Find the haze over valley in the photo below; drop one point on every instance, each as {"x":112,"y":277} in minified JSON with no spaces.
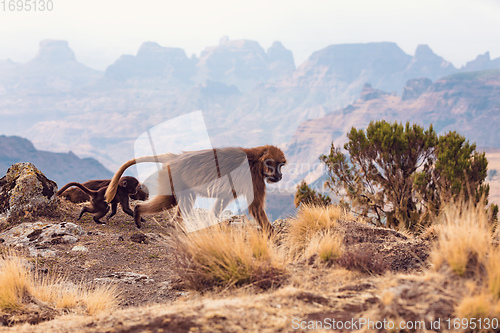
{"x":248,"y":95}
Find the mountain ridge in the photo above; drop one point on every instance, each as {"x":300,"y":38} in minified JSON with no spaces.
{"x":465,"y":102}
{"x":249,"y":96}
{"x":60,"y":167}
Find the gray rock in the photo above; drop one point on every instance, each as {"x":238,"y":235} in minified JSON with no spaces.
{"x":34,"y":252}
{"x":39,"y":236}
{"x":125,"y":277}
{"x":79,"y":248}
{"x":25,"y":192}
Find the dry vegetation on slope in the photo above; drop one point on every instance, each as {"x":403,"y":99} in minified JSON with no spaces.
{"x":323,"y":265}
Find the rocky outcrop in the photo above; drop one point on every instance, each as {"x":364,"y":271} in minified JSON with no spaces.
{"x":25,"y":193}
{"x":54,"y":69}
{"x":425,"y":63}
{"x":369,"y":93}
{"x":481,"y":63}
{"x":54,"y":52}
{"x":414,"y":88}
{"x":242,"y":63}
{"x":153,"y":60}
{"x":280,"y":60}
{"x":37,"y":238}
{"x":125,"y":277}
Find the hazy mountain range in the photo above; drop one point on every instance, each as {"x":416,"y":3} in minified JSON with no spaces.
{"x":60,"y":167}
{"x":466,"y":102}
{"x":248,"y":95}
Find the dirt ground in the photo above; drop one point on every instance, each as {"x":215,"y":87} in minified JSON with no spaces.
{"x":139,"y":264}
{"x":115,"y":250}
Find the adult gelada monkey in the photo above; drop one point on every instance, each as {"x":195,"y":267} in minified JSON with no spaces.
{"x":211,"y":173}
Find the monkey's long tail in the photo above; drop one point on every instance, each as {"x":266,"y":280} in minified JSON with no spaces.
{"x":82,"y":187}
{"x":113,"y":186}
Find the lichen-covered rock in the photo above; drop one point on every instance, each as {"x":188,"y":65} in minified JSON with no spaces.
{"x":25,"y":192}
{"x":125,"y":277}
{"x":39,"y":236}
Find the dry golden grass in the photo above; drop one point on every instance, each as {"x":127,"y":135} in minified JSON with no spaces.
{"x":216,"y":258}
{"x":386,"y":290}
{"x":15,"y":283}
{"x":464,"y":239}
{"x":327,"y":246}
{"x":18,"y":283}
{"x":100,"y":300}
{"x":464,"y":244}
{"x":493,"y":272}
{"x":226,"y":256}
{"x":477,"y":306}
{"x":310,"y":221}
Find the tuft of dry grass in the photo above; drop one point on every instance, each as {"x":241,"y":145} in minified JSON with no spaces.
{"x":477,"y":306}
{"x":226,"y":256}
{"x":102,"y":299}
{"x":15,"y":283}
{"x":19,"y":285}
{"x":463,"y":239}
{"x":310,"y":221}
{"x":464,"y":244}
{"x":493,"y":272}
{"x":327,"y":246}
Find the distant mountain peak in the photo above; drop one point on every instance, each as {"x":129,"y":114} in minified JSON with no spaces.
{"x":485,"y":56}
{"x":148,"y":46}
{"x":482,"y":62}
{"x":156,"y":52}
{"x":224,"y":40}
{"x":61,"y":167}
{"x":423,"y":51}
{"x":54,"y":52}
{"x":153,"y":60}
{"x":277,"y":45}
{"x":240,"y":62}
{"x":280,"y":59}
{"x":277,"y":52}
{"x":424,"y":54}
{"x":425,"y":63}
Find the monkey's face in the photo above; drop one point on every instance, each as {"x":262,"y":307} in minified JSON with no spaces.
{"x":130,"y":184}
{"x":272,"y":170}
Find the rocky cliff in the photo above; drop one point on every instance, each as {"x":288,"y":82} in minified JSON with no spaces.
{"x":466,"y":102}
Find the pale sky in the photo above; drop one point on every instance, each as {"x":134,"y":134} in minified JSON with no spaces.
{"x":99,"y":31}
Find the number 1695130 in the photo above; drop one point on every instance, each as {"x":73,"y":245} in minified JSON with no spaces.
{"x":26,"y":5}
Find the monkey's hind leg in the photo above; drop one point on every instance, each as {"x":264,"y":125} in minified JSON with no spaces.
{"x":114,"y":206}
{"x":154,"y":205}
{"x":99,"y":215}
{"x":84,"y":210}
